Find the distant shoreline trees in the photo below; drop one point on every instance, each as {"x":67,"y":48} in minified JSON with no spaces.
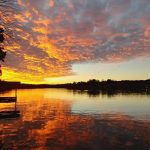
{"x":91,"y":86}
{"x":111,"y":85}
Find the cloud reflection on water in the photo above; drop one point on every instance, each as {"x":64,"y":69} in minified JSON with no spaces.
{"x":48,"y":123}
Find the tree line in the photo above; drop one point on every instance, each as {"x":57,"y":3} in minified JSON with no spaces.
{"x":92,"y":86}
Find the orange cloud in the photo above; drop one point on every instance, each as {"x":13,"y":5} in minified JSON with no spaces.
{"x":47,"y":37}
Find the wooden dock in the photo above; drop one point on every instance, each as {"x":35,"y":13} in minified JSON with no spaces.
{"x":8,"y":99}
{"x":12,"y":113}
{"x":9,"y":114}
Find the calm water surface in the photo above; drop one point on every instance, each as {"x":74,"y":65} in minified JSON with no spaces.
{"x":58,"y":119}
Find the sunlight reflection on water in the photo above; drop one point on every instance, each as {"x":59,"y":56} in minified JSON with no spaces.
{"x":59,"y":119}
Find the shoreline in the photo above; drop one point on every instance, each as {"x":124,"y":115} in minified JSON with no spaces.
{"x":92,"y":86}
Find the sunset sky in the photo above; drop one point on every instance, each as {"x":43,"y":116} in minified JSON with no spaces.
{"x":59,"y":41}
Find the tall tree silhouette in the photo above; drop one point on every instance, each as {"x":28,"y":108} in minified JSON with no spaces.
{"x":7,"y":8}
{"x":2,"y":52}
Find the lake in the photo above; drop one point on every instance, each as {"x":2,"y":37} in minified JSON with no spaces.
{"x":60,"y":119}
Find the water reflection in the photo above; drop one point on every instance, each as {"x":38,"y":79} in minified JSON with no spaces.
{"x":57,"y":120}
{"x":109,"y":93}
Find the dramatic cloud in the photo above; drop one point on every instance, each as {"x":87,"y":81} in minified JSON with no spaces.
{"x":50,"y":35}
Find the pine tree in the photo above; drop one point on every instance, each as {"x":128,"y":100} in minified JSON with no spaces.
{"x":2,"y":52}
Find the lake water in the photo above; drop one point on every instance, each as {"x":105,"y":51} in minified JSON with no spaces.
{"x":59,"y":119}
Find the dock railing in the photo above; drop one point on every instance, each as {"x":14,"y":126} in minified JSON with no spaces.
{"x":9,"y":114}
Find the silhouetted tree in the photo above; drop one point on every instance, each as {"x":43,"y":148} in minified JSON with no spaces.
{"x":8,"y":8}
{"x":2,"y":52}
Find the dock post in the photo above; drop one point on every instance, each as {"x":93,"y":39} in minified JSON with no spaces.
{"x":16,"y":99}
{"x":16,"y":94}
